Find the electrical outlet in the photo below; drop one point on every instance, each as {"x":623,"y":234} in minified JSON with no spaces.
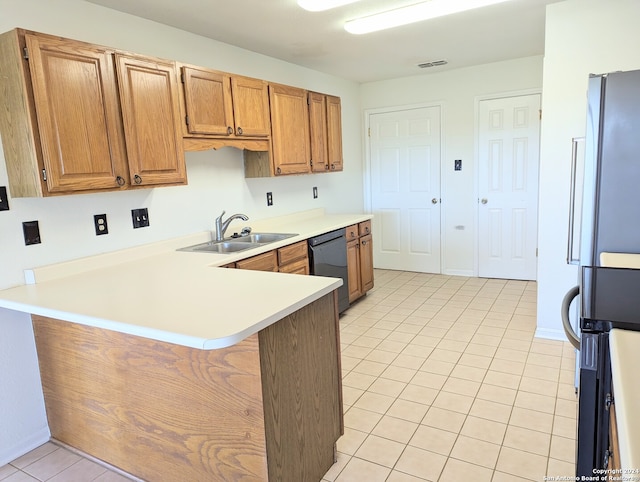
{"x":140,"y":218}
{"x":269,"y":199}
{"x":315,"y":192}
{"x":4,"y":199}
{"x":31,"y":232}
{"x":100,"y":223}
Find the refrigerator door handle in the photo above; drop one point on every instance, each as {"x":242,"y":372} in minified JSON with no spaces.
{"x":575,"y":199}
{"x":574,"y":339}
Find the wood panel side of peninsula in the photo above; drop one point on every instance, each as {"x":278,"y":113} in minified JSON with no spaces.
{"x":267,"y":408}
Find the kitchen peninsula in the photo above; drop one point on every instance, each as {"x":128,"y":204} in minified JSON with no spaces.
{"x":168,"y":367}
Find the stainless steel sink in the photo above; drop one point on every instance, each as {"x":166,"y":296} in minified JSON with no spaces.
{"x":220,"y":247}
{"x":261,"y":238}
{"x":241,"y":243}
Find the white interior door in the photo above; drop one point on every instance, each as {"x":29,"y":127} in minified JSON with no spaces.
{"x":405,"y":189}
{"x":509,"y":147}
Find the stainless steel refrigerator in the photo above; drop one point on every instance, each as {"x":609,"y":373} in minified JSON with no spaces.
{"x":607,"y":194}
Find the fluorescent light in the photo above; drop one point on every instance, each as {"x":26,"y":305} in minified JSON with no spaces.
{"x":413,"y":13}
{"x":320,"y":5}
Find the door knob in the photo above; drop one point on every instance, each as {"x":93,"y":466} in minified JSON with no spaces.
{"x":484,"y":200}
{"x":434,"y":201}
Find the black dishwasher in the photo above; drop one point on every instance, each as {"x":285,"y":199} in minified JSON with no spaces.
{"x":328,"y":257}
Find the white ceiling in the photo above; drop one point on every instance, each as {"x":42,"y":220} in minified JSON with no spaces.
{"x":281,"y":29}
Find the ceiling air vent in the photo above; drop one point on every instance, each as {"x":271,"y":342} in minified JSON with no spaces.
{"x":433,"y":63}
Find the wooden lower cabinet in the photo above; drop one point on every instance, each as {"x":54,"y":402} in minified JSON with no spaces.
{"x":288,"y":259}
{"x":267,"y":408}
{"x":262,"y":262}
{"x":294,"y":258}
{"x":353,"y":270}
{"x":614,"y":446}
{"x":359,"y":259}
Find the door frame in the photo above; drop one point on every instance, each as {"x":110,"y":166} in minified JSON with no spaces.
{"x":476,"y":161}
{"x":366,"y":174}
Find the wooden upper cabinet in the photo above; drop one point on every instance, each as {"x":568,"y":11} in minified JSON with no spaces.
{"x":318,"y":132}
{"x":250,"y":107}
{"x":291,"y":152}
{"x":325,"y":123}
{"x":79,"y":117}
{"x":207,"y":100}
{"x":76,"y":102}
{"x":219,"y":104}
{"x":151,"y":115}
{"x":334,"y":133}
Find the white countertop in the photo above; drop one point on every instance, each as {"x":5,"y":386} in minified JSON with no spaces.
{"x":625,"y":360}
{"x":179,"y":297}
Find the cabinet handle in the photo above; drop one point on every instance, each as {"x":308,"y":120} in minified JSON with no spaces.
{"x":278,"y":170}
{"x":363,"y":243}
{"x":137,"y":179}
{"x":367,"y":229}
{"x":326,"y":167}
{"x":120,"y":181}
{"x":229,"y":130}
{"x":239,"y":131}
{"x":333,"y":166}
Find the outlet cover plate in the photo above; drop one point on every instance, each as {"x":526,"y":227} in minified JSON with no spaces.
{"x":100,"y":223}
{"x":269,"y":199}
{"x":140,"y":218}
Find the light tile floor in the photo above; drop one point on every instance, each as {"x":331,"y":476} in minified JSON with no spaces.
{"x":443,"y":381}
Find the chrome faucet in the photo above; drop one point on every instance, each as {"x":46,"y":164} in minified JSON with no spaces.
{"x":221,"y":226}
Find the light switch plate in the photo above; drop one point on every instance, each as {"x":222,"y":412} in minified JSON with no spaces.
{"x":4,"y":199}
{"x":140,"y":218}
{"x":31,"y":232}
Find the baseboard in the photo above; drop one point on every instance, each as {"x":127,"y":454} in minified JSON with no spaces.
{"x":458,"y":272}
{"x":551,"y":334}
{"x":8,"y":454}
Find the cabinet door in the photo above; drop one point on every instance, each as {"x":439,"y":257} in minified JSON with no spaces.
{"x":289,"y":130}
{"x":353,"y":270}
{"x":151,"y":114}
{"x":366,"y":263}
{"x":207,"y":99}
{"x":297,"y":267}
{"x":261,"y":262}
{"x":334,"y":133}
{"x":76,"y":102}
{"x":318,"y":132}
{"x":250,"y":107}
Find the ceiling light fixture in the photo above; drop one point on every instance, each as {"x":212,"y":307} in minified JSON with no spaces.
{"x":320,"y":5}
{"x":413,"y":13}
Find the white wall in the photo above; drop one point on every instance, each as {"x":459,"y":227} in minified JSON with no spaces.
{"x":216,"y":182}
{"x":582,"y":37}
{"x":459,"y":91}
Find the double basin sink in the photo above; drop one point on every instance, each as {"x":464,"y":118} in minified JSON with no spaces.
{"x":240,"y":243}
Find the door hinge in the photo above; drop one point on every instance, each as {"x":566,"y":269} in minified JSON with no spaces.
{"x":44,"y":174}
{"x":25,"y":53}
{"x":369,"y":132}
{"x":182,"y":77}
{"x":536,"y":252}
{"x":540,"y":114}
